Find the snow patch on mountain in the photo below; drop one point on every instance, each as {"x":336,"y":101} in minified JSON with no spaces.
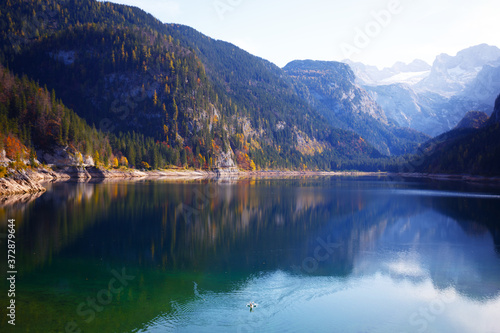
{"x":399,"y":73}
{"x":409,"y":78}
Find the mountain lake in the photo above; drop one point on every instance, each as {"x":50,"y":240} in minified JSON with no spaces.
{"x":314,"y":254}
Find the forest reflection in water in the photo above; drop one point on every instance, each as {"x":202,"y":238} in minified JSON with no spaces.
{"x":220,"y":234}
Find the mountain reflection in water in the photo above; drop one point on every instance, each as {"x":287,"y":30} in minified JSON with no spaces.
{"x":222,"y":236}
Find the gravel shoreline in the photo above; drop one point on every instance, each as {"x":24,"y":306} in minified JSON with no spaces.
{"x":31,"y":181}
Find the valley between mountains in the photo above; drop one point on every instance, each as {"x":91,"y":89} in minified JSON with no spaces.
{"x":88,"y":84}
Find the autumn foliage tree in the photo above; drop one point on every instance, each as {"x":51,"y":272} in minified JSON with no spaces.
{"x":244,"y":162}
{"x":124,"y":161}
{"x":14,"y":149}
{"x":115,"y":163}
{"x":31,"y":117}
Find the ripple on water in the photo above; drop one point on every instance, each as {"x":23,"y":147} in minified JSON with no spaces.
{"x":279,"y":296}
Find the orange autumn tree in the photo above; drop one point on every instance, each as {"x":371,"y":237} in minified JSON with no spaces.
{"x":32,"y":116}
{"x":244,"y":162}
{"x":14,"y":149}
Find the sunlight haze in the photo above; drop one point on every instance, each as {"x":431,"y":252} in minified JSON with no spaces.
{"x":323,"y":30}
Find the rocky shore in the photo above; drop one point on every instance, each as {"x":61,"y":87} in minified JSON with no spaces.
{"x":28,"y":181}
{"x":31,"y":181}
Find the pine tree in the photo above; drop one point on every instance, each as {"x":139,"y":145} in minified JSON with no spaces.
{"x":174,"y":118}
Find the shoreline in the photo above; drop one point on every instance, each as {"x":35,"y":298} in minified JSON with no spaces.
{"x":488,"y":180}
{"x":31,"y":181}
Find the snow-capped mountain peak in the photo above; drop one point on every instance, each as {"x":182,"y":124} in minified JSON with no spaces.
{"x":450,"y":75}
{"x":434,"y":99}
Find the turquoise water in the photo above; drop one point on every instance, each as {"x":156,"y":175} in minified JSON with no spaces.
{"x":316,"y":254}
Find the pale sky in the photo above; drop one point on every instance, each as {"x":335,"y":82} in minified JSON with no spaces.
{"x":375,"y":32}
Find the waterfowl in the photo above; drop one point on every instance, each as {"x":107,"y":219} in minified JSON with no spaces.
{"x":252,"y":305}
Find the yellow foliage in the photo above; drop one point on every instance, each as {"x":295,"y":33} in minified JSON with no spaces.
{"x":124,"y":161}
{"x":244,"y":162}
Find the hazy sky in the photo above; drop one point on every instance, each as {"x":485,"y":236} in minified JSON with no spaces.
{"x":376,"y":32}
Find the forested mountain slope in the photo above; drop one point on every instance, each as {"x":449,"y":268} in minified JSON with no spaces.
{"x":465,"y":150}
{"x":203,"y":102}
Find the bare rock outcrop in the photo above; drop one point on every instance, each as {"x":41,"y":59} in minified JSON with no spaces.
{"x":18,"y":183}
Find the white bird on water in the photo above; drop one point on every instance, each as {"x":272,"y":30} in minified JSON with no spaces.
{"x":252,"y":305}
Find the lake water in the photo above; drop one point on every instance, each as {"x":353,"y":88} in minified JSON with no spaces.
{"x":317,"y":255}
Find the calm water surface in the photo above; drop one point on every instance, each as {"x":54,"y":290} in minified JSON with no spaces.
{"x":317,"y":255}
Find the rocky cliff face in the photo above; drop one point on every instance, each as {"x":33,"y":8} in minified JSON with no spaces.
{"x":225,"y":161}
{"x":331,"y":88}
{"x":64,"y":157}
{"x":334,"y":82}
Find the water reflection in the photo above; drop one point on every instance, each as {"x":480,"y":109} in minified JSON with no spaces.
{"x":305,"y":240}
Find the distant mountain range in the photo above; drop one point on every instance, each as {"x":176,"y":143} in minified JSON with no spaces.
{"x":331,"y":88}
{"x":434,"y":99}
